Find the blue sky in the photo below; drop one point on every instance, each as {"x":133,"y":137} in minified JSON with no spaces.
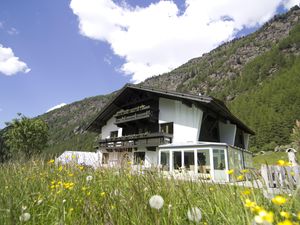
{"x":73,"y":50}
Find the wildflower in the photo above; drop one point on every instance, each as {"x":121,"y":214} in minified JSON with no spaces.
{"x":240,"y":177}
{"x":156,"y":202}
{"x":88,"y":193}
{"x":283,"y":163}
{"x":51,"y":161}
{"x":83,"y":188}
{"x":70,"y":174}
{"x":71,"y":209}
{"x":264,"y":217}
{"x":112,"y":206}
{"x":249,"y":203}
{"x":102,"y":194}
{"x":246,"y":192}
{"x":230,"y":172}
{"x":60,"y":168}
{"x":24,"y":207}
{"x":268,"y":194}
{"x":279,"y":200}
{"x":298,"y":215}
{"x":285,"y":222}
{"x":63,"y":201}
{"x":285,"y":214}
{"x":194,"y":214}
{"x":81,"y":167}
{"x":211,"y":189}
{"x":89,"y":178}
{"x":245,"y":171}
{"x":24,"y":217}
{"x":280,"y":162}
{"x":39,"y":201}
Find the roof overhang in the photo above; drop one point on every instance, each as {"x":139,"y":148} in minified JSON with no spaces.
{"x":204,"y":102}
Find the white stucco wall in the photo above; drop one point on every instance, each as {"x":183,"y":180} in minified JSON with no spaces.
{"x":227,"y":133}
{"x":151,"y":158}
{"x":187,"y":120}
{"x":110,"y":126}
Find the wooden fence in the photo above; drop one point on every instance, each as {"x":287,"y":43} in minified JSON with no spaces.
{"x":281,"y":177}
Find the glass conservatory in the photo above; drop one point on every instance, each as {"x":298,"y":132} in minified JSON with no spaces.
{"x":205,"y":160}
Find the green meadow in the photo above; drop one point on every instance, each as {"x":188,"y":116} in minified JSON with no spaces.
{"x":39,"y":192}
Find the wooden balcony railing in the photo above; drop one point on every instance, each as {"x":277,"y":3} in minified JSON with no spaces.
{"x":137,"y":113}
{"x":136,"y":140}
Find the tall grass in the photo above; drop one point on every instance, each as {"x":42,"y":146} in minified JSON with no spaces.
{"x":54,"y":194}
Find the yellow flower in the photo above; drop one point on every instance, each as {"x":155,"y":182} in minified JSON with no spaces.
{"x":70,"y":174}
{"x":102,"y":194}
{"x":246,"y":192}
{"x":285,"y":222}
{"x":292,"y":173}
{"x":280,"y":162}
{"x":211,"y":189}
{"x":113,"y":207}
{"x":285,"y":214}
{"x":279,"y":200}
{"x":60,"y":168}
{"x":88,"y":193}
{"x":245,"y":171}
{"x":84,"y":188}
{"x":264,"y":216}
{"x":230,"y":172}
{"x":298,"y":215}
{"x":51,"y":161}
{"x":249,"y":203}
{"x":240,"y":177}
{"x":71,"y":209}
{"x":81,"y":167}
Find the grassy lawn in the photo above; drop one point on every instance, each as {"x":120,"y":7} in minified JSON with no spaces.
{"x":38,"y":192}
{"x":271,"y":158}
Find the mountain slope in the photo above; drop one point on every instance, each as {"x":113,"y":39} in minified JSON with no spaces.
{"x":257,"y":76}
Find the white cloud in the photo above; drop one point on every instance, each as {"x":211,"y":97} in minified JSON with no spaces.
{"x":10,"y":64}
{"x":290,"y":3}
{"x":13,"y":31}
{"x":56,"y":107}
{"x":158,"y":38}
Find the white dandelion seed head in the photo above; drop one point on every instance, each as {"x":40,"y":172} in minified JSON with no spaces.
{"x":24,"y":217}
{"x":39,"y":201}
{"x":89,"y":178}
{"x":268,"y":194}
{"x":156,"y":202}
{"x":194,"y":214}
{"x":24,"y":207}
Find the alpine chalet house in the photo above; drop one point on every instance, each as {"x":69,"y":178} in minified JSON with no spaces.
{"x":176,"y":132}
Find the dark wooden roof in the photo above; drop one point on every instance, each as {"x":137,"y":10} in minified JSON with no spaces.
{"x":202,"y":101}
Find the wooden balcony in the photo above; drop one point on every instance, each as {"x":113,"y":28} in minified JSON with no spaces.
{"x":136,"y":140}
{"x":137,"y":113}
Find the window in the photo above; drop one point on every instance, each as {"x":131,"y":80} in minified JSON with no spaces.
{"x":166,"y":128}
{"x":114,"y":134}
{"x":139,"y":158}
{"x":105,"y":157}
{"x":239,"y":139}
{"x":219,"y":159}
{"x":164,"y":160}
{"x":209,"y":129}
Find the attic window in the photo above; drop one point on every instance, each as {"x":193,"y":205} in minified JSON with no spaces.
{"x":166,"y":128}
{"x":114,"y":134}
{"x":209,"y":129}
